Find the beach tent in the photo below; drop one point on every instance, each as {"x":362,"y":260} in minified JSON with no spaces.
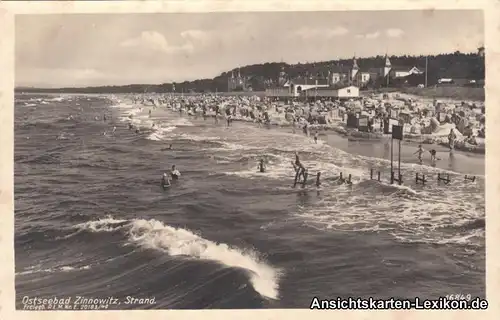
{"x":434,"y":125}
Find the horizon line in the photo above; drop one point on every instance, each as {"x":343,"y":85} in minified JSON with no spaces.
{"x":243,"y":66}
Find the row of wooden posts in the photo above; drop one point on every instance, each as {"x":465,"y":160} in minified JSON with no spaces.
{"x":341,"y":179}
{"x":420,"y":178}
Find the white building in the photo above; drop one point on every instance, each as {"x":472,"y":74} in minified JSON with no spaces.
{"x":333,"y":92}
{"x":401,"y":72}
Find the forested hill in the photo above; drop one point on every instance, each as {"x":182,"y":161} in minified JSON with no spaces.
{"x":454,"y":65}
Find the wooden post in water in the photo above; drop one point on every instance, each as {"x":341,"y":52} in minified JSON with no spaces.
{"x":392,"y":157}
{"x":318,"y":179}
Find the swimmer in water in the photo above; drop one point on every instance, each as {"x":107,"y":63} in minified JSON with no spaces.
{"x":262,"y":166}
{"x":175,"y":173}
{"x":168,"y":148}
{"x":165,"y":181}
{"x":420,"y":152}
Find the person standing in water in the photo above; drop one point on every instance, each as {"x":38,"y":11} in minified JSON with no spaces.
{"x":298,"y":165}
{"x":305,"y":130}
{"x":165,"y":181}
{"x":433,"y":155}
{"x":175,"y":173}
{"x":261,"y":167}
{"x":419,"y":152}
{"x":316,"y":137}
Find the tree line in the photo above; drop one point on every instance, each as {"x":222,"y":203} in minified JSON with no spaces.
{"x":455,"y":65}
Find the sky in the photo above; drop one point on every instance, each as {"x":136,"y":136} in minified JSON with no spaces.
{"x":74,"y":50}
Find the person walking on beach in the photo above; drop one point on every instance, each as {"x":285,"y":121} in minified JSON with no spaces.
{"x":451,"y":139}
{"x":420,"y":152}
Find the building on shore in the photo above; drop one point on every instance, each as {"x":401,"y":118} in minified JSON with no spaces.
{"x":340,"y":79}
{"x":237,"y":83}
{"x":337,"y":92}
{"x":360,"y":77}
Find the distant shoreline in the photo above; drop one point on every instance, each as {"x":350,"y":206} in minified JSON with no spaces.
{"x":445,"y":92}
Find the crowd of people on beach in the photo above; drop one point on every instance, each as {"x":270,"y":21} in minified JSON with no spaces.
{"x":426,"y":120}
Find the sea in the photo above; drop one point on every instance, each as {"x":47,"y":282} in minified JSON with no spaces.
{"x":92,"y":220}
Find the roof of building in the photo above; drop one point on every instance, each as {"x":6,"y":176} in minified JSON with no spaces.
{"x":403,"y":68}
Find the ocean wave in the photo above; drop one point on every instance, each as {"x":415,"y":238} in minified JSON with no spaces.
{"x":159,"y":134}
{"x":407,"y":214}
{"x":53,"y":270}
{"x":154,"y":234}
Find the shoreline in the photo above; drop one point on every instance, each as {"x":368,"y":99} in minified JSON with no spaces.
{"x":461,"y":162}
{"x":424,"y":139}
